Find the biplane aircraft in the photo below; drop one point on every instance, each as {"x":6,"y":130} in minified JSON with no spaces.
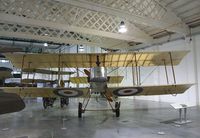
{"x":47,"y":101}
{"x":96,"y":76}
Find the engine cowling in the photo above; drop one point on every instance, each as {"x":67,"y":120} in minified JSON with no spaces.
{"x":68,"y":92}
{"x":98,"y":74}
{"x":130,"y":91}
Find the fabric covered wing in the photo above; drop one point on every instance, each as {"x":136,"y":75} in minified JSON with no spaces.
{"x":38,"y":81}
{"x":115,"y":79}
{"x":78,"y":80}
{"x":34,"y":92}
{"x":150,"y":90}
{"x":45,"y":71}
{"x":88,"y":60}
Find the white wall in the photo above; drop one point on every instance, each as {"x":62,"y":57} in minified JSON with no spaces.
{"x":186,"y":72}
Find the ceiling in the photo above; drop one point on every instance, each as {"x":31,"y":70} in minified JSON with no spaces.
{"x":96,"y":22}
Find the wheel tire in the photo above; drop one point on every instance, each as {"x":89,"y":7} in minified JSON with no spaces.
{"x":117,"y":105}
{"x":67,"y":101}
{"x":80,"y":110}
{"x":117,"y":111}
{"x":61,"y":105}
{"x":44,"y":104}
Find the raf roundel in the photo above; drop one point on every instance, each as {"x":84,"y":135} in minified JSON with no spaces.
{"x":127,"y":91}
{"x":68,"y":92}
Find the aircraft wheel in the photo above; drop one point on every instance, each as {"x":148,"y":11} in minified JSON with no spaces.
{"x":61,"y":102}
{"x":117,"y":109}
{"x":117,"y":105}
{"x":45,"y":103}
{"x":80,"y":110}
{"x":67,"y":101}
{"x":61,"y":105}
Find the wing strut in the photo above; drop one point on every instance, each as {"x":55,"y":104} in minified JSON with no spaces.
{"x":166,"y":71}
{"x":59,"y":69}
{"x":172,"y":65}
{"x":22,"y":67}
{"x":136,"y":67}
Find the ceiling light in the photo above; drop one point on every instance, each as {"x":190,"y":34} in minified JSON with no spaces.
{"x":122,"y":27}
{"x":45,"y":44}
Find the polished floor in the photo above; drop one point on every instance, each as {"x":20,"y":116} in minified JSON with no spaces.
{"x":138,"y":119}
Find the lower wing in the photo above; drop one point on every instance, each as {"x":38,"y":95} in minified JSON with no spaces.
{"x":117,"y":91}
{"x":150,"y":90}
{"x":34,"y":92}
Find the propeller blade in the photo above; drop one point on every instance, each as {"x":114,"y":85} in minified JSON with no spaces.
{"x":87,"y":72}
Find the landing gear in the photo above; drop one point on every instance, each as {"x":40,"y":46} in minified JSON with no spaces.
{"x":48,"y":102}
{"x":44,"y":103}
{"x":80,"y":111}
{"x":64,"y":101}
{"x":82,"y":106}
{"x":117,"y":109}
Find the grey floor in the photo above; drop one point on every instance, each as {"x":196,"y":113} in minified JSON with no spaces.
{"x":139,"y":119}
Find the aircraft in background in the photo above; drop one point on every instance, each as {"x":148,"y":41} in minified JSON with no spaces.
{"x":97,"y":75}
{"x":47,"y":101}
{"x":9,"y":102}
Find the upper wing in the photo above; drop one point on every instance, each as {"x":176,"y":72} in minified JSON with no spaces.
{"x":44,"y":71}
{"x":34,"y":92}
{"x":38,"y":81}
{"x":150,"y":90}
{"x":88,"y":60}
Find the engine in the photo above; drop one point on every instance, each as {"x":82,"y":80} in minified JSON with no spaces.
{"x":98,"y":74}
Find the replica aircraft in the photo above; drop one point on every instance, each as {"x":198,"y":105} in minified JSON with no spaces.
{"x":97,"y":75}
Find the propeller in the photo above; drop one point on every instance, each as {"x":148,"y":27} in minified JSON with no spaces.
{"x":87,"y":72}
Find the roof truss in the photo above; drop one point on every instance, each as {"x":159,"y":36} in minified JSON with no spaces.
{"x":147,"y":12}
{"x":67,"y":17}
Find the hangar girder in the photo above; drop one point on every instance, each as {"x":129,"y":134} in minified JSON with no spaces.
{"x":56,"y":35}
{"x":66,"y":17}
{"x":147,"y":12}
